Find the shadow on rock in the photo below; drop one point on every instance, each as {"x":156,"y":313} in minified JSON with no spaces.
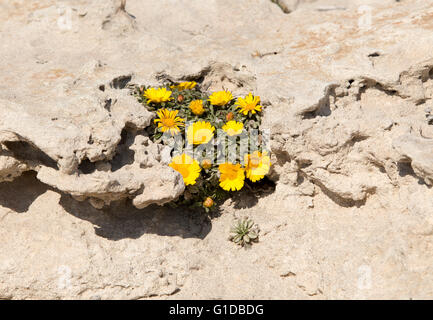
{"x":19,"y":194}
{"x":122,"y":220}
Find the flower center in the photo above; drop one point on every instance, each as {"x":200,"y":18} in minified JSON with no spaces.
{"x":196,"y":108}
{"x":184,"y":171}
{"x":232,"y":173}
{"x":254,"y":162}
{"x":201,"y":136}
{"x":169,"y":122}
{"x":250,"y":106}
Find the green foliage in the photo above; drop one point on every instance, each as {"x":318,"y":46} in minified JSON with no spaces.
{"x":244,"y":232}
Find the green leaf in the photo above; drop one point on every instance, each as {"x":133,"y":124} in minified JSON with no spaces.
{"x":253,"y":235}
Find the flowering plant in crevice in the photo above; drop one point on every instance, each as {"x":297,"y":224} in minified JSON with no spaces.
{"x":216,"y":143}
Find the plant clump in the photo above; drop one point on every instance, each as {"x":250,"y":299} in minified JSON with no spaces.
{"x":244,"y":232}
{"x":215,"y":139}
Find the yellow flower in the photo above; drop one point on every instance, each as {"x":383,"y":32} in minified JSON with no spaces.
{"x":196,"y":107}
{"x":184,"y":85}
{"x":233,"y":128}
{"x":257,"y":165}
{"x":187,"y":167}
{"x":157,"y":95}
{"x":200,"y":132}
{"x":168,"y":121}
{"x":220,"y":98}
{"x":232,"y":176}
{"x":250,"y":103}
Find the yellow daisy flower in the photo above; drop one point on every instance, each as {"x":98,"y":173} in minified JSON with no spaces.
{"x":257,"y":165}
{"x":168,"y":121}
{"x":248,"y":104}
{"x":157,"y":95}
{"x":200,"y":132}
{"x":220,"y":98}
{"x":232,"y":176}
{"x":196,"y":107}
{"x":233,"y":128}
{"x":184,"y":85}
{"x":187,"y":167}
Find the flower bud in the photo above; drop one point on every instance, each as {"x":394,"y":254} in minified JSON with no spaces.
{"x":229,"y":116}
{"x":208,"y":202}
{"x":206,"y":164}
{"x":180,"y":98}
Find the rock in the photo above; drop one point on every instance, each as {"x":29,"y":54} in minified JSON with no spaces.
{"x":143,"y":181}
{"x":10,"y":167}
{"x":350,"y":216}
{"x":57,"y":143}
{"x":419,"y":152}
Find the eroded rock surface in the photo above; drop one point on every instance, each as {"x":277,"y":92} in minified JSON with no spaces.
{"x":345,"y":85}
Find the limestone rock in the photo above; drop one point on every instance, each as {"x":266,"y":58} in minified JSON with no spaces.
{"x":350,"y":216}
{"x":419,"y":152}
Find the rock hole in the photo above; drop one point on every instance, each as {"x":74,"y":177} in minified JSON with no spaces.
{"x":86,"y":166}
{"x":120,"y":82}
{"x":349,"y":83}
{"x":107,"y":105}
{"x":405,"y":169}
{"x":374,"y":55}
{"x":123,"y":155}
